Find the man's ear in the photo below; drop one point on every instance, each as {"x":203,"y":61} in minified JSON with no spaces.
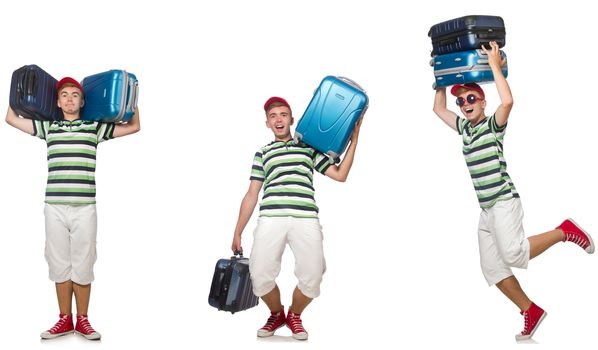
{"x":483,"y":104}
{"x":82,"y":103}
{"x":292,"y":120}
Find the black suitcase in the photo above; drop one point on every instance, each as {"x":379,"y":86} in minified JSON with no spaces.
{"x":467,"y":33}
{"x":231,"y":288}
{"x":33,"y":94}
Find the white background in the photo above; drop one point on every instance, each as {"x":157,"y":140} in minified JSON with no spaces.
{"x":400,"y":235}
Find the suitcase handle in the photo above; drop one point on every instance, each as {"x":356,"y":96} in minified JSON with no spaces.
{"x":31,"y":82}
{"x":20,"y":86}
{"x":351,"y":82}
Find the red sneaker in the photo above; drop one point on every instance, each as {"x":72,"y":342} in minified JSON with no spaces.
{"x":296,"y":326}
{"x":64,"y":326}
{"x":574,"y":233}
{"x":84,"y":328}
{"x":533,"y":317}
{"x":275,"y":321}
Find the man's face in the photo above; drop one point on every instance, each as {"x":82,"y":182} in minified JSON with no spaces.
{"x":473,"y":105}
{"x":279,"y":120}
{"x":69,"y":100}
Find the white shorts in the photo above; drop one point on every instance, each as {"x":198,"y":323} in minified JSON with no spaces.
{"x":502,"y":240}
{"x":71,"y":242}
{"x":270,"y":238}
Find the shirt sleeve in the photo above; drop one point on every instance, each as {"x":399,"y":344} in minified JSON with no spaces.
{"x":460,"y":123}
{"x":40,"y":128}
{"x":105,"y":131}
{"x":494,"y":127}
{"x":321,"y":162}
{"x":257,"y":169}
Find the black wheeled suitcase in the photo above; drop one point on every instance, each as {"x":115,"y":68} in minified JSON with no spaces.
{"x":33,"y":94}
{"x":231,"y":288}
{"x":467,"y":33}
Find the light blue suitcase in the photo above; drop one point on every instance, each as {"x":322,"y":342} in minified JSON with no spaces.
{"x":330,"y":117}
{"x":463,"y":67}
{"x":110,"y":96}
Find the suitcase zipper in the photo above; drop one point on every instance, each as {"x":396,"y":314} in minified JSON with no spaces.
{"x":465,"y":69}
{"x":477,"y":31}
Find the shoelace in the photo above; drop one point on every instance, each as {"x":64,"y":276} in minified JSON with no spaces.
{"x":526,"y":324}
{"x":82,"y":320}
{"x":577,"y":239}
{"x":59,"y":324}
{"x":270,"y":323}
{"x":296,"y":324}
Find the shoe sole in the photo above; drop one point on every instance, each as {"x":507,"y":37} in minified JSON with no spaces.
{"x":519,"y":337}
{"x":590,"y":248}
{"x":97,"y":336}
{"x":298,"y":336}
{"x":267,"y":334}
{"x":54,"y":336}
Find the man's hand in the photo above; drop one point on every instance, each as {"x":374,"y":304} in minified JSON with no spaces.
{"x":494,"y":57}
{"x":355,"y":134}
{"x":236,"y":246}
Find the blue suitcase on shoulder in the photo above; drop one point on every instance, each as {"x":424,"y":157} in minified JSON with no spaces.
{"x":33,"y":94}
{"x":330,"y":117}
{"x":110,"y":96}
{"x":467,"y":33}
{"x":463,"y":67}
{"x":231,"y":288}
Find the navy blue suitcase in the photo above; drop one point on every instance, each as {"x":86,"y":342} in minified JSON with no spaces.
{"x":330,"y":117}
{"x":467,"y":33}
{"x":33,"y":94}
{"x":463,"y":67}
{"x":110,"y":96}
{"x":231,"y":288}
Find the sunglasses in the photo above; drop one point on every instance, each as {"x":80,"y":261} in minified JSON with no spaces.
{"x":471,"y":98}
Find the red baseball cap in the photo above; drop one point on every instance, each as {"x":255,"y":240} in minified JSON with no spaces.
{"x":467,"y":86}
{"x":274,"y":99}
{"x":68,"y":80}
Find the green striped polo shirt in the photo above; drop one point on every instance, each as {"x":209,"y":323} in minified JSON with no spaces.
{"x":72,"y":158}
{"x":483,"y":151}
{"x":287,"y":169}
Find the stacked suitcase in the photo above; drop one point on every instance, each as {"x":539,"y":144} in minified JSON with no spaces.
{"x":330,"y":117}
{"x":231,"y":288}
{"x":109,"y":96}
{"x":457,"y":57}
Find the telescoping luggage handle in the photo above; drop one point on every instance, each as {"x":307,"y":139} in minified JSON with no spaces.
{"x":128,"y":96}
{"x":132,"y":95}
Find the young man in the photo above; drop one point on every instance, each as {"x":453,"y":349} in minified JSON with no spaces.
{"x":501,"y":238}
{"x":70,"y":212}
{"x":288,"y":214}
